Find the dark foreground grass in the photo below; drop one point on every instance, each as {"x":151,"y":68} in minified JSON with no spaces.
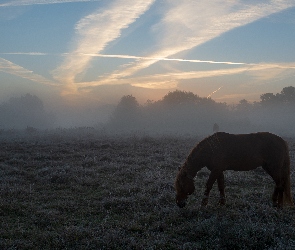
{"x":61,"y":191}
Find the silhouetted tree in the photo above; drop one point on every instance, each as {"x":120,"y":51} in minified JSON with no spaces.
{"x":28,"y":110}
{"x":183,"y":111}
{"x":268,"y":98}
{"x":243,"y":106}
{"x":126,"y":113}
{"x":287,"y":95}
{"x":179,"y":97}
{"x":128,"y":103}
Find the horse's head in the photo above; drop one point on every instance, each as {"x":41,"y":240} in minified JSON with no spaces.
{"x":184,"y":186}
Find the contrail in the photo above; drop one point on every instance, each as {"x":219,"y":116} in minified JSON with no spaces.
{"x":37,"y":2}
{"x":129,"y":57}
{"x":26,"y":53}
{"x":165,"y":59}
{"x":214,"y":92}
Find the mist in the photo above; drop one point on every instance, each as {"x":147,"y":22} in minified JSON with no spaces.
{"x":177,"y":113}
{"x":19,"y":113}
{"x":185,"y":113}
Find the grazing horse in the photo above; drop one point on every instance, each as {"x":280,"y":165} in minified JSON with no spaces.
{"x":242,"y":152}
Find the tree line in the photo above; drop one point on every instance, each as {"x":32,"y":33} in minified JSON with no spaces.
{"x":186,"y":112}
{"x":177,"y":112}
{"x":24,"y":112}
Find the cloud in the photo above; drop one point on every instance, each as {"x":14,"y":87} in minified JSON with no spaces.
{"x":13,"y":3}
{"x":188,"y":24}
{"x":94,"y":32}
{"x":14,"y":69}
{"x":185,"y":25}
{"x":26,"y":53}
{"x":270,"y":72}
{"x":170,"y":80}
{"x":235,"y":98}
{"x":258,"y":71}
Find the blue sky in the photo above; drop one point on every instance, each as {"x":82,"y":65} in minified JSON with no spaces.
{"x":85,"y":52}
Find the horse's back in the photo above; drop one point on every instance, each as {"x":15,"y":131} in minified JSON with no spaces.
{"x":274,"y":149}
{"x":271,"y":143}
{"x":249,"y":151}
{"x":261,"y":141}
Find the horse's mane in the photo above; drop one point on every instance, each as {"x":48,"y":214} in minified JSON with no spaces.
{"x":212,"y":141}
{"x":206,"y":148}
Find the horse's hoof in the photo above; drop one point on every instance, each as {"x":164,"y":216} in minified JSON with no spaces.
{"x":181,"y":204}
{"x":204,"y":202}
{"x":278,"y":206}
{"x":221,"y":202}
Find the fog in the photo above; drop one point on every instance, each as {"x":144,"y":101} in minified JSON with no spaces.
{"x":181,"y":112}
{"x":177,"y":113}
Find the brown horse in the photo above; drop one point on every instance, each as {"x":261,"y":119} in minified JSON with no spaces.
{"x":223,"y":151}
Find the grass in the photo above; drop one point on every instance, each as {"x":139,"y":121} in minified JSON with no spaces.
{"x":90,"y":191}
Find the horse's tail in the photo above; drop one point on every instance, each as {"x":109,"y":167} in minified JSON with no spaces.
{"x":288,"y":200}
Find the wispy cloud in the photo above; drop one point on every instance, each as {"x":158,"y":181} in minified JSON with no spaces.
{"x":256,"y":71}
{"x":188,"y":24}
{"x":170,"y":80}
{"x":259,"y":71}
{"x":26,"y":53}
{"x":34,"y":2}
{"x":185,"y":25}
{"x":14,"y":69}
{"x":94,"y":32}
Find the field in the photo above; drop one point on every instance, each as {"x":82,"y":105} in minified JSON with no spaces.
{"x":85,"y":190}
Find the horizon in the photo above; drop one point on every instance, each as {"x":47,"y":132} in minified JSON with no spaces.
{"x":83,"y":53}
{"x":273,"y":113}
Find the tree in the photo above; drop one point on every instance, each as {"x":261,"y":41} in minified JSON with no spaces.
{"x":179,"y":97}
{"x":128,"y":103}
{"x":126,"y":112}
{"x":287,"y":95}
{"x":268,"y":98}
{"x":28,"y":110}
{"x":243,"y":106}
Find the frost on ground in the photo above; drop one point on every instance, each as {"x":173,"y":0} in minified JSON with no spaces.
{"x":89,"y":191}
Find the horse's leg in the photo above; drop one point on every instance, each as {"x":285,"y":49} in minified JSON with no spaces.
{"x":280,"y":196}
{"x":212,"y":178}
{"x":277,"y":196}
{"x":220,"y":182}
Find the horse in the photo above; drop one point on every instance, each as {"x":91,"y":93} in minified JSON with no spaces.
{"x":215,"y":128}
{"x":240,"y":152}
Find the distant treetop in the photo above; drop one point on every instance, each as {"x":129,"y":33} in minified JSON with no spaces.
{"x":180,"y":97}
{"x":287,"y":95}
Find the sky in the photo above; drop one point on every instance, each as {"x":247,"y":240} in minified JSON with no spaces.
{"x":92,"y":52}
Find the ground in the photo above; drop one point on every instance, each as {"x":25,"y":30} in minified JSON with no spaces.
{"x":72,"y":189}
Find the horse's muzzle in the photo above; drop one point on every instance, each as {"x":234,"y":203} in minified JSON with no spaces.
{"x":181,"y":204}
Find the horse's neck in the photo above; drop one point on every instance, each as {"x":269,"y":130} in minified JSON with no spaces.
{"x":193,"y":167}
{"x":198,"y":158}
{"x":211,"y":145}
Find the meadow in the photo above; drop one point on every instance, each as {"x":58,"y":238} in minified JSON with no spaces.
{"x":83,"y":189}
